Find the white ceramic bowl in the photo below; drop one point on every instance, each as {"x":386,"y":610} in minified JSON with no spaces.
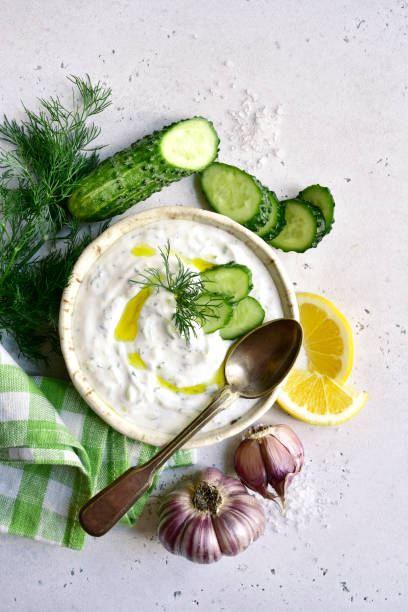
{"x":87,"y":260}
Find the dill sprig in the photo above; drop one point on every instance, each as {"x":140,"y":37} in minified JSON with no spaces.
{"x":186,"y":286}
{"x":44,"y":157}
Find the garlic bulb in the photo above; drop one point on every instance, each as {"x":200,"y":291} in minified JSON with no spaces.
{"x":213,"y":517}
{"x":269,"y":456}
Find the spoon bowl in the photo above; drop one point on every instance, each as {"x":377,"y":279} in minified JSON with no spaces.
{"x":254,"y":366}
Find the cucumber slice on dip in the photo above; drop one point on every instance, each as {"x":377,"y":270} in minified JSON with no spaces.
{"x":231,"y":280}
{"x":247,"y":315}
{"x":219,"y":311}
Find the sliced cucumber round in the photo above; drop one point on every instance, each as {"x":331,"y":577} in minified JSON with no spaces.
{"x":190,"y":145}
{"x":276,"y":220}
{"x":323,"y":199}
{"x":217,"y":309}
{"x":232,"y":280}
{"x":231,"y":192}
{"x":305,"y":227}
{"x":247,"y":315}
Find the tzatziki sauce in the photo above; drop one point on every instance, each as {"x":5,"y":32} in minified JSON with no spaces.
{"x":126,"y":342}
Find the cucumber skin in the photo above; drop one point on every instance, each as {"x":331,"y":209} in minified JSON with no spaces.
{"x":128,"y":177}
{"x":321,"y":223}
{"x":280,"y":223}
{"x":304,"y":196}
{"x":262,"y":215}
{"x":320,"y":226}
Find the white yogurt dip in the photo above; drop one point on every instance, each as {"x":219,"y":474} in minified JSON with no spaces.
{"x":125,"y":340}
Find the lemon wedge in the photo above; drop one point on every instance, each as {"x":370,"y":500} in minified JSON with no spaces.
{"x":328,"y":339}
{"x":318,"y":399}
{"x":319,"y":394}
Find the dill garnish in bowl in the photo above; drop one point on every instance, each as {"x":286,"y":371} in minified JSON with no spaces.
{"x":187,"y":288}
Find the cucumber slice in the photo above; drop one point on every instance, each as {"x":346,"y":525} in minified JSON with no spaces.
{"x":323,"y":199}
{"x":219,"y":311}
{"x":247,"y":315}
{"x":148,"y":165}
{"x":231,"y":280}
{"x":236,"y":194}
{"x":276,"y":221}
{"x":231,"y":192}
{"x":304,"y":227}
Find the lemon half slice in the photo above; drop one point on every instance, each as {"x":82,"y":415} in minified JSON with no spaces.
{"x":318,"y":399}
{"x":328,"y":339}
{"x":318,"y":395}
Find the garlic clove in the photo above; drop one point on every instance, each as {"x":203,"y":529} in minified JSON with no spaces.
{"x":173,"y":518}
{"x":290,"y":440}
{"x":279,"y":464}
{"x":233,"y":532}
{"x":245,"y":506}
{"x":249,"y":465}
{"x":198,"y":541}
{"x":270,"y":455}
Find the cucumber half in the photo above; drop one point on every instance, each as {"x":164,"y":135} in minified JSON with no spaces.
{"x":305,"y":227}
{"x":247,"y":315}
{"x":236,"y":194}
{"x":148,"y":165}
{"x":323,"y":199}
{"x":218,"y":311}
{"x":232,"y":280}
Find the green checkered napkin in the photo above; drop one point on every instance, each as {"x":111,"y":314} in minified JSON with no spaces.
{"x":55,"y":453}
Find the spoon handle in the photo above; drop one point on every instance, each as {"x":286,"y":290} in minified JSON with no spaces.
{"x":104,"y":510}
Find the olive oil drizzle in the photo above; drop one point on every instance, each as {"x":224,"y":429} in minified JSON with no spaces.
{"x":218,"y":379}
{"x":136,"y":361}
{"x":126,"y":329}
{"x":143,"y":250}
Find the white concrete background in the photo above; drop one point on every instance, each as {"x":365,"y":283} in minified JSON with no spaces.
{"x":339,"y":70}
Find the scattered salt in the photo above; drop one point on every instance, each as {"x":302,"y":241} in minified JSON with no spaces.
{"x":307,"y":501}
{"x":255,"y":130}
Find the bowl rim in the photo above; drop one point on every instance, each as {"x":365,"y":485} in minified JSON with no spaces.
{"x":88,"y":258}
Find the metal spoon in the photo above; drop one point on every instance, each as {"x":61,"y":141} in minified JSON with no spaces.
{"x":254,"y":366}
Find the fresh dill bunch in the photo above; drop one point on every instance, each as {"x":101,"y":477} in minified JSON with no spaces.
{"x":46,"y":155}
{"x":43,"y":158}
{"x":186,"y":286}
{"x":29,"y":305}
